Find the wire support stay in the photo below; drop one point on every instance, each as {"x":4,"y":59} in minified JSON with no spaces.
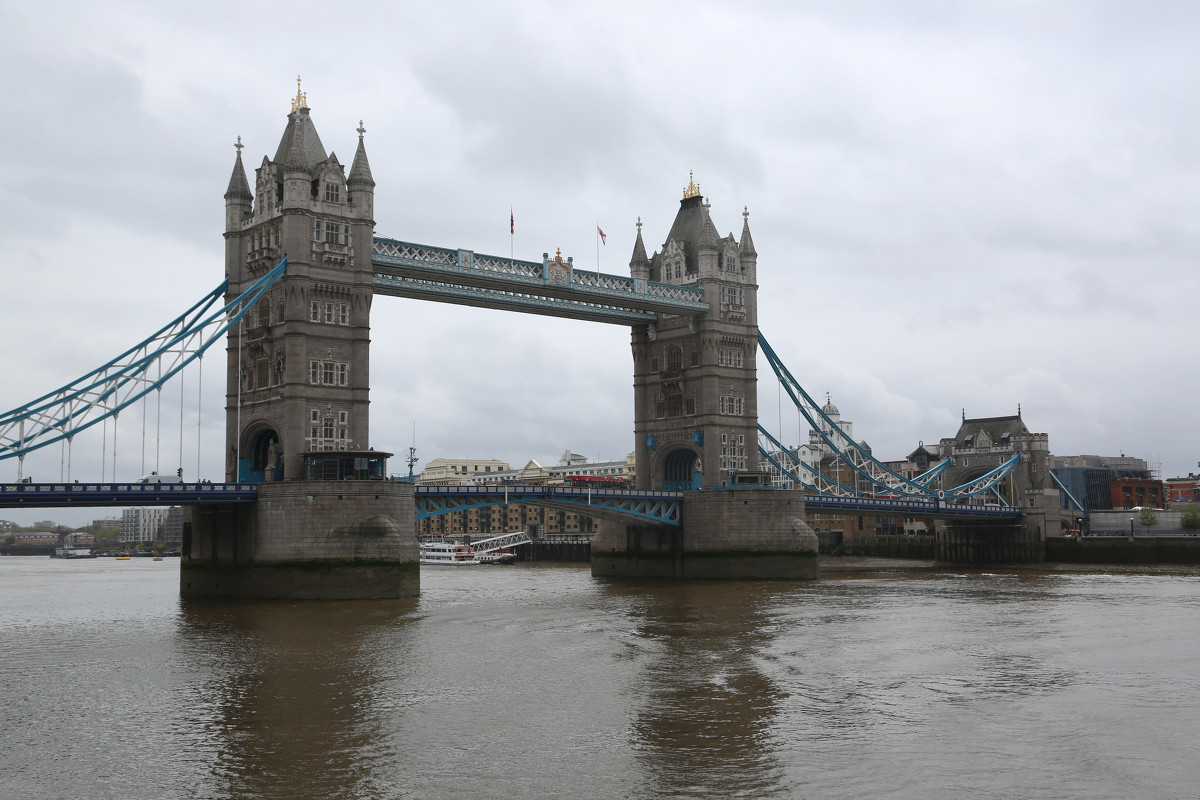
{"x":109,"y":389}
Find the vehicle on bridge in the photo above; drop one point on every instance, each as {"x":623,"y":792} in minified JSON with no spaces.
{"x":154,"y":477}
{"x":595,"y":481}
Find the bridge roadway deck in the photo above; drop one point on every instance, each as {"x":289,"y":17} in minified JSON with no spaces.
{"x":663,"y":508}
{"x":51,"y":495}
{"x":909,"y":507}
{"x":658,"y":507}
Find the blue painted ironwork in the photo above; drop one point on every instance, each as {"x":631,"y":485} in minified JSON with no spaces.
{"x":910,"y":507}
{"x":107,"y":390}
{"x":817,"y":483}
{"x":83,"y":495}
{"x":551,"y":288}
{"x":663,"y":508}
{"x":1073,"y":500}
{"x":886,"y":479}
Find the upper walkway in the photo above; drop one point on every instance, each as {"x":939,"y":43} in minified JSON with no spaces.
{"x":553,"y":287}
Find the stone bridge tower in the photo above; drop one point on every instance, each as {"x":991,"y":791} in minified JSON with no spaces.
{"x":298,"y":385}
{"x":695,"y":390}
{"x":696,"y":422}
{"x":298,"y":366}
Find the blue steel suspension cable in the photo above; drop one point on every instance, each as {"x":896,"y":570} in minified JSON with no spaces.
{"x":107,"y":390}
{"x":908,"y":487}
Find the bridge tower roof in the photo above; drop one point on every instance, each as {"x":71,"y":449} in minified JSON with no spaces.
{"x":689,"y":228}
{"x":312,"y":152}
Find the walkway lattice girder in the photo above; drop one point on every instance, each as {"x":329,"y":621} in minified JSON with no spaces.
{"x":662,"y":508}
{"x":463,"y":277}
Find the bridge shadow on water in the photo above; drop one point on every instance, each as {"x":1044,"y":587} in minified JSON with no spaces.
{"x":510,"y":681}
{"x":703,"y":724}
{"x":286,"y":696}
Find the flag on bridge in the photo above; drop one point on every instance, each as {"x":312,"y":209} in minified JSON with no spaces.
{"x":603,"y":238}
{"x":512,"y":224}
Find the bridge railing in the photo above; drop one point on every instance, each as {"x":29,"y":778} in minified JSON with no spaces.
{"x":123,"y":494}
{"x":908,"y":507}
{"x":467,"y":263}
{"x":542,"y":490}
{"x":659,"y":507}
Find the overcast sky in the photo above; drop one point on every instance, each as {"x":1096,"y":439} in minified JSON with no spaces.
{"x":957,"y":206}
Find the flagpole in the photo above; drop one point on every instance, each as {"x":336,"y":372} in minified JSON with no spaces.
{"x":597,"y":254}
{"x":512,"y":232}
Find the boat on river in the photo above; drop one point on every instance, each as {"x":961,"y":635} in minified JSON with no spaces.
{"x":448,"y":554}
{"x":73,"y":552}
{"x":492,"y":550}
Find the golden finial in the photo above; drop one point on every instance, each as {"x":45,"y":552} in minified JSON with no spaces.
{"x":301,"y":100}
{"x":692,"y":189}
{"x":558,"y":254}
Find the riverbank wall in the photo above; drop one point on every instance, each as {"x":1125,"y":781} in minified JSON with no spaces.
{"x":833,"y":543}
{"x":542,"y":550}
{"x":1124,"y":549}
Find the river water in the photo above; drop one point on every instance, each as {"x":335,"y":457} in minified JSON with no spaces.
{"x":540,"y":681}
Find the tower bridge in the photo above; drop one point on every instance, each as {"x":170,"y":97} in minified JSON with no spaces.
{"x":303,"y":268}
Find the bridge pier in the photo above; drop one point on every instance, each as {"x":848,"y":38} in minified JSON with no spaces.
{"x":741,"y":534}
{"x":305,"y":540}
{"x":971,"y":542}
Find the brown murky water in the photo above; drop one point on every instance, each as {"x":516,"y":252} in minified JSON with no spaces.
{"x":540,"y":681}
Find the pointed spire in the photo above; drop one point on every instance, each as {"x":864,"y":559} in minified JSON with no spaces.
{"x":747,"y":244}
{"x":639,"y":248}
{"x":709,"y":238}
{"x":239,"y":187}
{"x":360,"y":170}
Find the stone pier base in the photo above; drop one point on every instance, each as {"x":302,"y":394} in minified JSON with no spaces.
{"x":989,"y":543}
{"x":741,"y":534}
{"x":305,"y":540}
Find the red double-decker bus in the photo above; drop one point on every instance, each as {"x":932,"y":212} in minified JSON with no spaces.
{"x":595,"y":481}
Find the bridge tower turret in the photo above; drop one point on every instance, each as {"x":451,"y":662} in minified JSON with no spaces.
{"x":298,"y":366}
{"x":695,"y":384}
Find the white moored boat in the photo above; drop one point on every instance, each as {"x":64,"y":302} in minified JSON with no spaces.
{"x":493,"y":550}
{"x":448,"y":554}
